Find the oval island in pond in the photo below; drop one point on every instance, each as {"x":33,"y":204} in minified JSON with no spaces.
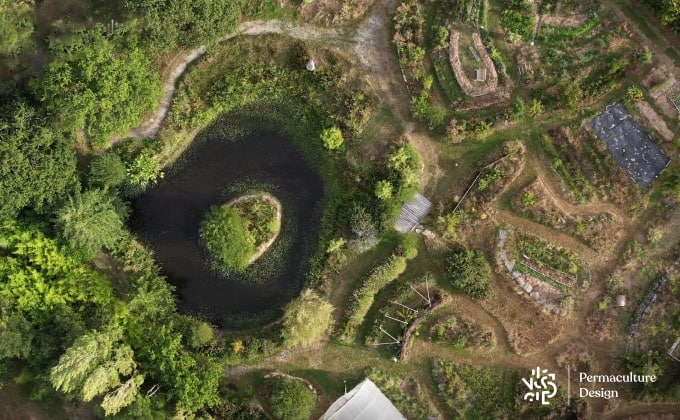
{"x":237,"y":233}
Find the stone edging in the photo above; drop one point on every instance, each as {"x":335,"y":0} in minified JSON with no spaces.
{"x":463,"y":81}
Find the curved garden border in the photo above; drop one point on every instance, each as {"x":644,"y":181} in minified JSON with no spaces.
{"x":463,"y":81}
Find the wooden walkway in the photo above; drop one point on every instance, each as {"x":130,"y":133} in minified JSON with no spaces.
{"x":412,"y":213}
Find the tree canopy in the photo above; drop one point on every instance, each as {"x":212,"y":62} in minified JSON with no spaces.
{"x":307,"y":320}
{"x":168,"y":23}
{"x":89,"y":221}
{"x":101,"y":80}
{"x":16,"y":25}
{"x":38,"y":163}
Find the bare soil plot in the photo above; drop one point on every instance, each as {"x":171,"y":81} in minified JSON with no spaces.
{"x":654,"y":120}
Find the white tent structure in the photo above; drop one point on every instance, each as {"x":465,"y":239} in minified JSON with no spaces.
{"x":363,"y":402}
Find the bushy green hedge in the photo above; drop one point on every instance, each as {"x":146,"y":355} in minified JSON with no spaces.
{"x":380,"y":276}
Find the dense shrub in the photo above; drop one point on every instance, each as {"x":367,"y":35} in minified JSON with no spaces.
{"x":469,"y":271}
{"x":167,"y":23}
{"x":259,"y":218}
{"x":16,"y":26}
{"x":107,"y":171}
{"x":225,"y":237}
{"x":332,"y":138}
{"x":306,"y":320}
{"x":292,"y":400}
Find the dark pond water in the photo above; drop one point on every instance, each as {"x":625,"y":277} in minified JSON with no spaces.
{"x":213,"y":171}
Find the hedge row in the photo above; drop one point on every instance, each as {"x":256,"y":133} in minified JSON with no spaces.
{"x":381,"y":275}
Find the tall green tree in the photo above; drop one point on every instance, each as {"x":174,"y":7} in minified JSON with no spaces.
{"x":36,"y":277}
{"x":37,"y":162}
{"x":101,"y":82}
{"x":89,"y":221}
{"x":98,"y":363}
{"x":307,"y":320}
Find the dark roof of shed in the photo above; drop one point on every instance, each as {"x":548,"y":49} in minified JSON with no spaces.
{"x":629,"y":144}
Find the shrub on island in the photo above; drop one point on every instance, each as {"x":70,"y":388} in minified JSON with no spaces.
{"x":237,"y":233}
{"x":224,"y":235}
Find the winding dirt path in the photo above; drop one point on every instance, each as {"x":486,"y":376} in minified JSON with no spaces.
{"x":593,"y":207}
{"x":370,"y":42}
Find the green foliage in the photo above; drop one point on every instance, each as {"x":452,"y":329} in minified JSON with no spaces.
{"x":646,"y":363}
{"x":517,"y":19}
{"x":107,"y":171}
{"x":100,"y":82}
{"x":528,"y":199}
{"x":403,"y":167}
{"x":470,"y":272}
{"x":572,"y":94}
{"x":644,"y":56}
{"x":403,"y":391}
{"x":519,"y":108}
{"x":551,"y":35}
{"x":95,"y":364}
{"x":544,"y":253}
{"x":473,"y":392}
{"x":142,"y":172}
{"x":306,"y":320}
{"x":384,"y":190}
{"x":16,"y":26}
{"x":634,"y":94}
{"x":671,"y":182}
{"x":15,"y":333}
{"x":202,"y":334}
{"x":488,"y":179}
{"x":36,"y":276}
{"x":167,"y":23}
{"x":332,"y":138}
{"x":89,"y":221}
{"x":536,"y":108}
{"x":363,"y":228}
{"x":259,"y":219}
{"x":668,"y":11}
{"x":654,"y":236}
{"x":292,"y":400}
{"x":191,"y":378}
{"x":380,"y":276}
{"x":39,"y":164}
{"x":224,"y":235}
